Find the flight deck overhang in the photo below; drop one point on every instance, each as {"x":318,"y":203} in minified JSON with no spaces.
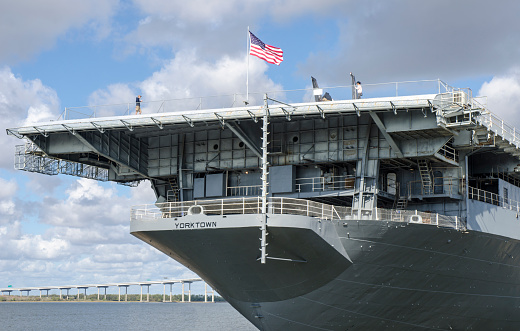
{"x":188,"y":119}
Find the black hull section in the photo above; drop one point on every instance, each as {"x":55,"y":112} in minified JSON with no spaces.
{"x":401,"y":276}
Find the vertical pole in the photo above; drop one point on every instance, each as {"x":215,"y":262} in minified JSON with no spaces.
{"x":105,"y":293}
{"x":141,"y":299}
{"x":189,"y":292}
{"x":164,"y":293}
{"x":212,"y":295}
{"x":148,"y":294}
{"x":126,"y":293}
{"x":182,"y":291}
{"x":60,"y":294}
{"x":353,"y":79}
{"x":263,"y":227}
{"x":170,"y":292}
{"x":247,"y":74}
{"x":205,"y":292}
{"x":119,"y":297}
{"x":78,"y":294}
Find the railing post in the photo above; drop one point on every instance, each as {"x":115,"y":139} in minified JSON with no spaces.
{"x":456,"y":222}
{"x":308,"y":207}
{"x":437,"y":219}
{"x":243,"y":205}
{"x":221,"y":207}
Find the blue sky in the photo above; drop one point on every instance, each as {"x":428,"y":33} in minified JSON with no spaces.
{"x":58,"y":230}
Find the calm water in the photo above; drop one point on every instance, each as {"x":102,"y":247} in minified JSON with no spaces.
{"x":120,"y":316}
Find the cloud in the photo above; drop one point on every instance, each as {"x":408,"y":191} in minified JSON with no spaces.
{"x":502,"y":96}
{"x":32,"y":26}
{"x":38,"y":248}
{"x":402,"y":40}
{"x":22,"y":102}
{"x":184,"y":80}
{"x":88,"y":204}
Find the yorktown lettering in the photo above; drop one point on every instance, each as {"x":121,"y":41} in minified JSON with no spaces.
{"x":195,"y":225}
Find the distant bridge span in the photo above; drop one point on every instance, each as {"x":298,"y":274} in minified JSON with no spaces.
{"x":165,"y":282}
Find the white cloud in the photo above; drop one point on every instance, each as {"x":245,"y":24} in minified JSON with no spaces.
{"x":35,"y":247}
{"x":32,"y":26}
{"x":87,"y":203}
{"x":503,"y":96}
{"x":189,"y":77}
{"x":22,"y":102}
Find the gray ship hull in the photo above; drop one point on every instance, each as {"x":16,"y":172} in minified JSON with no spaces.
{"x":349,"y":275}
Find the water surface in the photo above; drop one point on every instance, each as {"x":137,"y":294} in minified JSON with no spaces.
{"x":120,"y":316}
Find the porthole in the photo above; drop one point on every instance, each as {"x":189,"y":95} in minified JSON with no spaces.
{"x":295,"y":139}
{"x":215,"y":147}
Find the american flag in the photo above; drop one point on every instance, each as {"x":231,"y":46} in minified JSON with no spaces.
{"x":266,"y":52}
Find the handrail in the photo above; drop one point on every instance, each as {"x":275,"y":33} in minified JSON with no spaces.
{"x":255,"y":98}
{"x":493,"y":198}
{"x":450,"y":186}
{"x":286,"y":206}
{"x":324,"y":183}
{"x":248,"y":190}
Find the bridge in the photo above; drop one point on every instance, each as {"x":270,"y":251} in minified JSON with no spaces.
{"x":125,"y":285}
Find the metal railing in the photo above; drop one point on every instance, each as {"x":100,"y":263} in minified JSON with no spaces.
{"x":324,"y":183}
{"x":239,"y":206}
{"x":449,"y":152}
{"x":449,"y":186}
{"x":497,"y":125}
{"x":287,"y":206}
{"x":414,"y":216}
{"x":29,"y":157}
{"x":241,"y":191}
{"x":493,"y":198}
{"x":389,"y":89}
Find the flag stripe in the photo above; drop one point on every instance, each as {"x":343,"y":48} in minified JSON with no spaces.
{"x":265,"y":52}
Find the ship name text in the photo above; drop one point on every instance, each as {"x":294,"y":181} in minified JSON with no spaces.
{"x":195,"y":225}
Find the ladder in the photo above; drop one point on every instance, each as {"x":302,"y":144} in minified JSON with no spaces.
{"x":173,"y":194}
{"x":401,"y":203}
{"x":426,"y":176}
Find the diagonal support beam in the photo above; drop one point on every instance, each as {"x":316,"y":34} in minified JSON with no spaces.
{"x":42,"y":132}
{"x":245,"y":139}
{"x":98,"y":127}
{"x":357,"y":109}
{"x":287,"y":114}
{"x":393,"y":107}
{"x":158,"y":123}
{"x":322,"y":114}
{"x":388,"y":138}
{"x":187,"y":119}
{"x":128,"y":125}
{"x":71,"y":130}
{"x":97,"y":151}
{"x":253,"y":116}
{"x":221,"y":120}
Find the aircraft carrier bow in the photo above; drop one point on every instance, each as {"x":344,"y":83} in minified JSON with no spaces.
{"x":350,"y":214}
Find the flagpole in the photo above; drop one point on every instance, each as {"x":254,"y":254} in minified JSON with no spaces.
{"x":247,"y":76}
